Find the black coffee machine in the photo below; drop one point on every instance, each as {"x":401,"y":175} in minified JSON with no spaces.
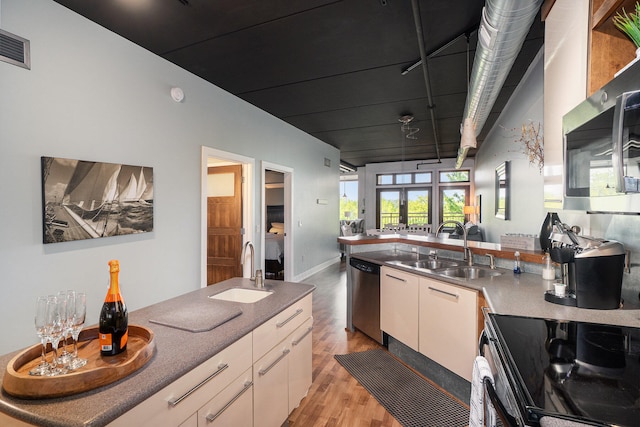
{"x":592,"y":269}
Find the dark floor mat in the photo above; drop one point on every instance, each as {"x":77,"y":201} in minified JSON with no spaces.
{"x":411,"y":399}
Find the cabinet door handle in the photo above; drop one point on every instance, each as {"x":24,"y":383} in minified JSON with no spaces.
{"x":175,"y":401}
{"x":212,"y":417}
{"x":445,"y":292}
{"x":297,"y":341}
{"x":289,"y":319}
{"x":394,"y":277}
{"x":264,"y":371}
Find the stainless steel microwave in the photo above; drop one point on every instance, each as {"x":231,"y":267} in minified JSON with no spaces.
{"x":602,"y":149}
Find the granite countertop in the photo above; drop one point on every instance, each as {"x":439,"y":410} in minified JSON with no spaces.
{"x":177,"y":352}
{"x":520,"y":294}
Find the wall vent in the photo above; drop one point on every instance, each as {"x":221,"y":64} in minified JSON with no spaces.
{"x":14,"y":50}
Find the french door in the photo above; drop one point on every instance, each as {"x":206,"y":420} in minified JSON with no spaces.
{"x":403,"y":205}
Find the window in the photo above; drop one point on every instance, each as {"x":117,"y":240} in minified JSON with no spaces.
{"x":454,"y":176}
{"x":410,"y":206}
{"x":404,"y":178}
{"x":348,"y":199}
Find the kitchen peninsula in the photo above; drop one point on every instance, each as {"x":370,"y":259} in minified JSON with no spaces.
{"x":179,"y":353}
{"x":521,"y":294}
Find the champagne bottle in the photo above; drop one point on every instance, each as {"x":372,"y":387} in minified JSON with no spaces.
{"x":114,"y":320}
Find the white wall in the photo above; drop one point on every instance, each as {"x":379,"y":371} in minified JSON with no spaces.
{"x":93,"y":95}
{"x":501,"y":144}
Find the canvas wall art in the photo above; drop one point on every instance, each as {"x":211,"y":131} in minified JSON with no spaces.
{"x":88,"y":200}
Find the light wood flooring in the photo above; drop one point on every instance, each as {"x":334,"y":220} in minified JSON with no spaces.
{"x":335,"y":397}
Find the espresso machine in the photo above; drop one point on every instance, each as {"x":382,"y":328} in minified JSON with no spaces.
{"x":592,"y":269}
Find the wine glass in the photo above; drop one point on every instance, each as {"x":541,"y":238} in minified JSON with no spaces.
{"x":55,"y":330}
{"x":77,"y":314}
{"x":41,"y":323}
{"x":65,"y":318}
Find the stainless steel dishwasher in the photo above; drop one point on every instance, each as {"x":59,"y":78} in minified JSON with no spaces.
{"x":365,"y":301}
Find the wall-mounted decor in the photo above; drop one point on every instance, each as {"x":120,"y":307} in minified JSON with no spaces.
{"x":87,"y":200}
{"x":502,"y":191}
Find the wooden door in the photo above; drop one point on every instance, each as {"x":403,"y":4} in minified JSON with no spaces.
{"x":224,"y":223}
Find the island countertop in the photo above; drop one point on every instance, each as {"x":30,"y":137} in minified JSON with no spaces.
{"x":177,"y":352}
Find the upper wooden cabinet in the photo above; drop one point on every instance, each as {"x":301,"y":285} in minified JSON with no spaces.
{"x":609,"y":49}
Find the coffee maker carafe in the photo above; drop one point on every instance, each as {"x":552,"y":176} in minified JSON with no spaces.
{"x":592,"y":269}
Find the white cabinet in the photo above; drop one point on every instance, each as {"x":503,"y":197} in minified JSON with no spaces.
{"x":399,"y":305}
{"x":176,"y":403}
{"x":565,"y":84}
{"x":282,"y":366}
{"x":271,"y":387}
{"x":300,"y":364}
{"x":448,"y":330}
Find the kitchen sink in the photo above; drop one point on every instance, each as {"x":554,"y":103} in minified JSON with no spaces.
{"x":428,"y":264}
{"x":241,"y":295}
{"x":432,"y":264}
{"x":468,"y":272}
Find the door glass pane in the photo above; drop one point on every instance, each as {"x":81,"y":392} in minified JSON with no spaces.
{"x":220,"y":185}
{"x":453,"y":201}
{"x":389,"y":208}
{"x":418,"y":207}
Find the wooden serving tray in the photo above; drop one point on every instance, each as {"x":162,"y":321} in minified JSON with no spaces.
{"x":97,"y":372}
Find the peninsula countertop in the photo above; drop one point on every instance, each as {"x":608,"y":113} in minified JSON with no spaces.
{"x":520,"y":294}
{"x":177,"y":352}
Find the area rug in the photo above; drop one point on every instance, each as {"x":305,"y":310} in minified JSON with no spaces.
{"x":411,"y":399}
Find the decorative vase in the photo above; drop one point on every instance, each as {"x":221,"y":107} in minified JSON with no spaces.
{"x":546,"y":230}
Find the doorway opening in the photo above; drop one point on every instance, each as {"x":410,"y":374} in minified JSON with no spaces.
{"x":226,"y":214}
{"x":277,"y":248}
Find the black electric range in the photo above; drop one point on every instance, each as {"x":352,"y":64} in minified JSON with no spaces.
{"x":579,"y":371}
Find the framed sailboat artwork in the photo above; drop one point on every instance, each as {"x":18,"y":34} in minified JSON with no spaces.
{"x":88,"y":200}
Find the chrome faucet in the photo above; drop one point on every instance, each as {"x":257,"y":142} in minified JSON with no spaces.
{"x":492,"y":261}
{"x":468,"y":256}
{"x":252,"y":253}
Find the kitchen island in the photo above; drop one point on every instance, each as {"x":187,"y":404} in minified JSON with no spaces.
{"x":177,"y":353}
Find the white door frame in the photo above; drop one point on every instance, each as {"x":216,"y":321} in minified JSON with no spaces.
{"x":248,"y":200}
{"x":288,"y":215}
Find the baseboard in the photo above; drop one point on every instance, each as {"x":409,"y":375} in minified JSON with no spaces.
{"x":300,"y":277}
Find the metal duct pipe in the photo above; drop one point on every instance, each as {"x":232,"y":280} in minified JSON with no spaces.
{"x":425,"y":73}
{"x":503,"y":29}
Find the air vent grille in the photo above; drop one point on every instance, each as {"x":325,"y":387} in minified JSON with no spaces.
{"x":14,"y":50}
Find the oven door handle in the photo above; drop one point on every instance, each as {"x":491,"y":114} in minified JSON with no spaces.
{"x":501,"y":411}
{"x":484,"y":340}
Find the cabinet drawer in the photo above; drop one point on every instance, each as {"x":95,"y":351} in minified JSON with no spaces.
{"x":271,"y":387}
{"x":279,"y":326}
{"x":231,"y":407}
{"x":182,"y":398}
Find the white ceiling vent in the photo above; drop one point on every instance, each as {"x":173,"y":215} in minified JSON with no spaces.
{"x":14,"y":50}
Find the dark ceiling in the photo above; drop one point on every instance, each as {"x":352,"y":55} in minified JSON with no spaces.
{"x":330,"y":68}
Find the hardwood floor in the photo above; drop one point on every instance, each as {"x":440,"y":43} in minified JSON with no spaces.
{"x":335,"y":397}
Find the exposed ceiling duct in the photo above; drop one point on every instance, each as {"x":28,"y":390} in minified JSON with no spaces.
{"x":503,"y":29}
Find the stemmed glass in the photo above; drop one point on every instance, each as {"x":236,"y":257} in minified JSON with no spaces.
{"x":65,"y":318}
{"x":77,"y":311}
{"x":41,"y":330}
{"x":56,"y":330}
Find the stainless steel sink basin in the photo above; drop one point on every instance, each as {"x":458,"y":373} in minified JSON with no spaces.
{"x":468,"y":272}
{"x":430,"y":264}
